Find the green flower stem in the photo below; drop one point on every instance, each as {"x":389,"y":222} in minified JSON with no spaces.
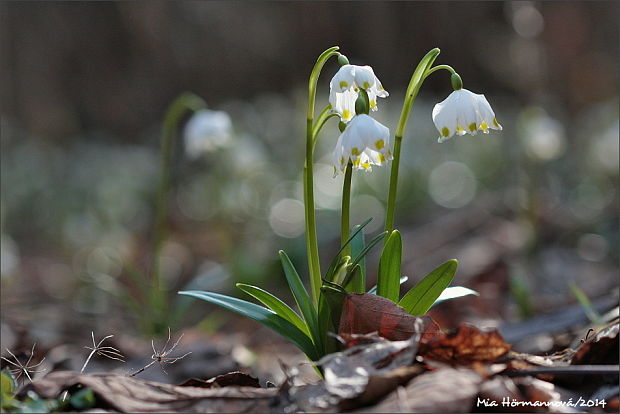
{"x":439,"y":67}
{"x":391,"y":204}
{"x":177,"y":108}
{"x":419,"y":74}
{"x":312,"y":248}
{"x":345,"y":211}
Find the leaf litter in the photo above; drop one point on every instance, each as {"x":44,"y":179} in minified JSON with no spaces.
{"x":390,"y":362}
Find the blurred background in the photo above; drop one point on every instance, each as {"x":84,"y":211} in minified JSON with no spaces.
{"x":529,"y":212}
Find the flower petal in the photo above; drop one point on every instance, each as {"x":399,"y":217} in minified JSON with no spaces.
{"x":343,"y":79}
{"x":364,"y":77}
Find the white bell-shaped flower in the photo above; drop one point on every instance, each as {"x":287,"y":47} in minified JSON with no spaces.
{"x":365,"y":142}
{"x":345,"y":85}
{"x":464,"y":112}
{"x":207,"y":131}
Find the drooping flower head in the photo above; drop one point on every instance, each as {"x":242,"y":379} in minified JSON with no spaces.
{"x":344,"y":89}
{"x":206,"y":131}
{"x":463,"y":112}
{"x":365,"y":142}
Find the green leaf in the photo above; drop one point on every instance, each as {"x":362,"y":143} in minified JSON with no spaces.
{"x":302,"y":298}
{"x":366,"y":249}
{"x":358,"y":283}
{"x":454,"y":292}
{"x":336,"y":260}
{"x":422,"y":296}
{"x":353,"y":273}
{"x":83,"y":399}
{"x":260,"y":314}
{"x":373,"y":290}
{"x":275,"y":305}
{"x":7,"y":383}
{"x":388,"y":279}
{"x":7,"y":390}
{"x":330,"y":307}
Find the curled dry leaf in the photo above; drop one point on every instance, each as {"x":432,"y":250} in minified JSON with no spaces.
{"x":129,"y":394}
{"x":367,"y":372}
{"x":365,"y":313}
{"x":601,"y":348}
{"x":466,"y":345}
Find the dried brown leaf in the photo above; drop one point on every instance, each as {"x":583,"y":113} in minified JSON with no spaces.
{"x":465,"y":346}
{"x":366,"y":372}
{"x":129,"y":394}
{"x":601,"y":348}
{"x":446,"y":390}
{"x":366,"y":313}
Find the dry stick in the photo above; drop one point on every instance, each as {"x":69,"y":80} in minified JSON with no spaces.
{"x":23,"y":368}
{"x":161,"y":357}
{"x":567,"y":370}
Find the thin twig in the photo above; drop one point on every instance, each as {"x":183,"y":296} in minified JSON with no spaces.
{"x":567,"y":370}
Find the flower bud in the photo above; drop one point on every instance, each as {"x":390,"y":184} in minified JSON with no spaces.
{"x":457,"y":82}
{"x":362,"y":106}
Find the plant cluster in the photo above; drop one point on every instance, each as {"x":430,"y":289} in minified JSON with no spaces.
{"x":362,"y":144}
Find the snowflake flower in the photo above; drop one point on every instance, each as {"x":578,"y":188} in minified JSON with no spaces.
{"x":344,"y":89}
{"x":464,"y":112}
{"x":206,"y":131}
{"x":365,"y":142}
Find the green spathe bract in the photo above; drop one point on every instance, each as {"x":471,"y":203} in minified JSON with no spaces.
{"x":311,"y":327}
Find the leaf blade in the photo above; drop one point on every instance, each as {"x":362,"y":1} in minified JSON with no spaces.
{"x":332,"y":267}
{"x":421,"y":297}
{"x":260,"y":314}
{"x":358,"y":284}
{"x":306,"y":307}
{"x":275,"y":304}
{"x":388,"y":279}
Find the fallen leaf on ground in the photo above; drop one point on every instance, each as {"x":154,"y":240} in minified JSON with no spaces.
{"x":601,"y":348}
{"x":468,"y":344}
{"x":128,"y":394}
{"x":365,"y":313}
{"x":367,"y":372}
{"x":447,"y":390}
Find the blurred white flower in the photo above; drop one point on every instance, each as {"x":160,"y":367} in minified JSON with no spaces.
{"x":345,"y":85}
{"x":365,"y":142}
{"x":207,"y":131}
{"x":463,"y":112}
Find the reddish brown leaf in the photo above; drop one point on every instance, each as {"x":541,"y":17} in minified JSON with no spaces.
{"x":466,"y":345}
{"x":365,"y":313}
{"x":601,"y":348}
